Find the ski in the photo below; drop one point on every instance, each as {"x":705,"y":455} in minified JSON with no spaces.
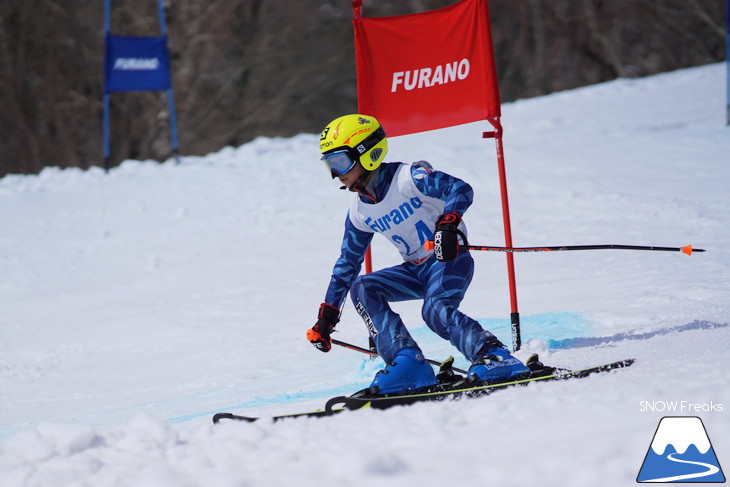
{"x":463,"y":389}
{"x":220,"y":417}
{"x":452,"y":386}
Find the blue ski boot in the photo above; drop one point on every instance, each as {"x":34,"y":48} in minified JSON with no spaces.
{"x":497,"y":364}
{"x":408,"y":371}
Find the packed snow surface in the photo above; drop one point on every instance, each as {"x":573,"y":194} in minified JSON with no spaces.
{"x":137,"y":303}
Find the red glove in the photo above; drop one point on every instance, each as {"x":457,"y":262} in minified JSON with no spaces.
{"x":319,"y":334}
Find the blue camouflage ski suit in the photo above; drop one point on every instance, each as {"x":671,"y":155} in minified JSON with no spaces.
{"x":441,"y":285}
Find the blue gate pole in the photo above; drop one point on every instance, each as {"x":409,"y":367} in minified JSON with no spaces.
{"x":105,"y":129}
{"x":170,"y":97}
{"x":173,"y":127}
{"x":105,"y":117}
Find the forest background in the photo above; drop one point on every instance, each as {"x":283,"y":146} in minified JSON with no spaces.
{"x":248,"y":68}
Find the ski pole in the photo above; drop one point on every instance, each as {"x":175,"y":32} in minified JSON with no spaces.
{"x":687,"y":249}
{"x":370,"y":352}
{"x":354,"y":347}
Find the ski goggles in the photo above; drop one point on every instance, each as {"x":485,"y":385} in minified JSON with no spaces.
{"x":341,"y":160}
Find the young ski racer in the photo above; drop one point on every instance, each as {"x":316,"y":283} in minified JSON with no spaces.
{"x":408,"y":204}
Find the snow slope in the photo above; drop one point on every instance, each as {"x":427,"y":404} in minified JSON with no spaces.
{"x":137,"y":303}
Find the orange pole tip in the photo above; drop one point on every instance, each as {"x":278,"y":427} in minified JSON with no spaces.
{"x":687,"y":249}
{"x":428,"y":245}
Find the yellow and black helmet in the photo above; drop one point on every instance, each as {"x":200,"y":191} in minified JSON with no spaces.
{"x":350,"y":139}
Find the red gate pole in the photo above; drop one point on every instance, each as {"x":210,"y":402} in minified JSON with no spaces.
{"x":515,"y":315}
{"x":369,"y":260}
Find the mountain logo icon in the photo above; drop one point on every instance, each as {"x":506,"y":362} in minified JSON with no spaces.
{"x":681,"y":452}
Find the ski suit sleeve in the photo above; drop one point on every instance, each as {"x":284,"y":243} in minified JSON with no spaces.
{"x":456,"y":194}
{"x":354,"y":244}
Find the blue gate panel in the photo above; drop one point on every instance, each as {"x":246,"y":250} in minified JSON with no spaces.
{"x":136,"y":64}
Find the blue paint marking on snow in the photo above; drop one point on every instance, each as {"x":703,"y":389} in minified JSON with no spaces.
{"x":584,"y":342}
{"x":543,"y":326}
{"x":355,"y":380}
